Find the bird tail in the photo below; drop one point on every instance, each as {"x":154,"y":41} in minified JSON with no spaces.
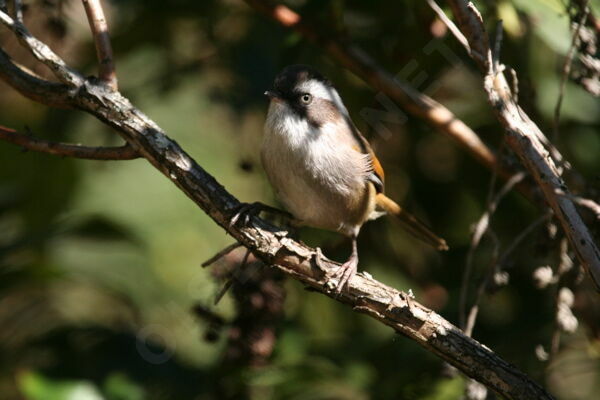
{"x":410,"y":222}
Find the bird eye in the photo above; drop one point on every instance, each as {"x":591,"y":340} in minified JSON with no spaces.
{"x":306,"y":98}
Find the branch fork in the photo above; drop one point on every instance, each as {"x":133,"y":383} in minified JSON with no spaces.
{"x":527,"y":141}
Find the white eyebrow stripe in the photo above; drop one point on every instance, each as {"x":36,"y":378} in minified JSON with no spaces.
{"x":318,"y":89}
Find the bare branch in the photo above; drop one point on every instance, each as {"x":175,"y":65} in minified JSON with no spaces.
{"x":451,"y":26}
{"x":481,"y":227}
{"x":32,"y":86}
{"x":28,"y":142}
{"x":469,"y":324}
{"x":238,"y":269}
{"x":522,"y":236}
{"x":483,"y":223}
{"x":18,"y":10}
{"x":221,"y":254}
{"x":566,"y":70}
{"x":275,"y":248}
{"x":524,"y":138}
{"x":42,"y":52}
{"x":497,"y":263}
{"x":99,"y":28}
{"x":583,"y":202}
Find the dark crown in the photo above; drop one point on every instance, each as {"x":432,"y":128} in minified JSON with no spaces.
{"x":292,"y":75}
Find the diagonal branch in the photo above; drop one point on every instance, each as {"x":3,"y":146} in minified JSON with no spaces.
{"x":39,"y":50}
{"x":453,"y":28}
{"x":527,"y":140}
{"x":99,"y":27}
{"x":32,"y":86}
{"x":272,"y":245}
{"x":125,"y":152}
{"x":583,"y":202}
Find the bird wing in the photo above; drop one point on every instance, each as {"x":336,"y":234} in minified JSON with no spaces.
{"x":375,"y":173}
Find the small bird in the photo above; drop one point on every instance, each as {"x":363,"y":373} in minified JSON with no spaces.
{"x":321,"y":167}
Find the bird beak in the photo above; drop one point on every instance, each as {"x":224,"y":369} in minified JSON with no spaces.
{"x":273,"y":95}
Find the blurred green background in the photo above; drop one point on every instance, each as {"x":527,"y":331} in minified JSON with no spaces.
{"x":100,"y":261}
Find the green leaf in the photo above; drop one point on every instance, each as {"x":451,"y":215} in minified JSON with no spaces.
{"x":119,"y":387}
{"x":35,"y":386}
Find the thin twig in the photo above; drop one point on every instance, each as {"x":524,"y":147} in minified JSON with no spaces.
{"x":493,"y":204}
{"x":221,"y":254}
{"x":481,"y":227}
{"x":42,"y":52}
{"x":27,"y":142}
{"x":497,"y":46}
{"x":520,"y":237}
{"x":208,"y":315}
{"x":472,"y":315}
{"x":224,"y":289}
{"x":18,"y":10}
{"x":451,"y":26}
{"x":231,"y":278}
{"x":99,"y":28}
{"x":566,"y":70}
{"x":497,"y":264}
{"x":32,"y":86}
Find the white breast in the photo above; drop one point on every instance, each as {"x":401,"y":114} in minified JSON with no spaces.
{"x":318,"y":177}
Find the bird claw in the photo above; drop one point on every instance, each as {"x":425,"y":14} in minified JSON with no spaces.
{"x":344,"y":274}
{"x":244,"y":210}
{"x":247,"y":210}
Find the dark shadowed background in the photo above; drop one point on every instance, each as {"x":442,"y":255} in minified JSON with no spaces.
{"x":100,"y":261}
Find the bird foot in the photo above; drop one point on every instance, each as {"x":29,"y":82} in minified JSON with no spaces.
{"x":245,"y":211}
{"x":345,"y":273}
